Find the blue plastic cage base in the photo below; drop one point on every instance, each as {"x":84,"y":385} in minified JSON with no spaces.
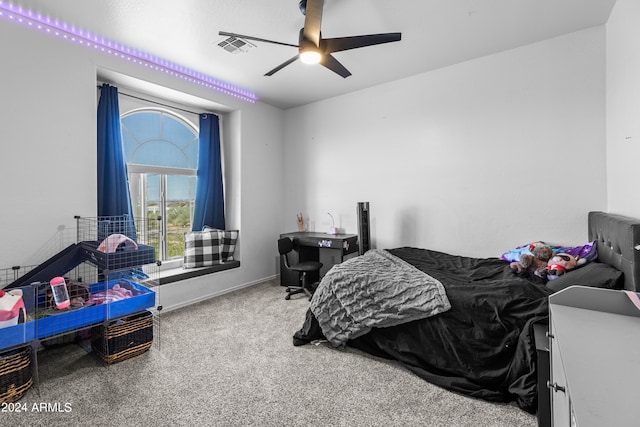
{"x":70,"y":320}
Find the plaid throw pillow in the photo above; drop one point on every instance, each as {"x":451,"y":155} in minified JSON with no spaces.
{"x":201,"y":249}
{"x":227,"y":239}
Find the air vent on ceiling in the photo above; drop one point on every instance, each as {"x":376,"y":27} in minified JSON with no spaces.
{"x":235,"y":45}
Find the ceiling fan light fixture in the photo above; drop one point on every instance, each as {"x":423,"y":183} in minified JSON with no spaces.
{"x":310,"y":56}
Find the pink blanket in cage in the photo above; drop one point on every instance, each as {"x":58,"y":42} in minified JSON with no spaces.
{"x":116,"y":293}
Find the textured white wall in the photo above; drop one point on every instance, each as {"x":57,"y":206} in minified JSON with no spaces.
{"x":623,"y":108}
{"x":469,"y":159}
{"x":48,"y":152}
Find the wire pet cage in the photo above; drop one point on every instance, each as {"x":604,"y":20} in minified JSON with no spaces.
{"x":10,"y":275}
{"x":109,"y":273}
{"x":115,"y":243}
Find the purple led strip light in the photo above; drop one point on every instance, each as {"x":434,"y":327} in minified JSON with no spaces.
{"x":62,"y":30}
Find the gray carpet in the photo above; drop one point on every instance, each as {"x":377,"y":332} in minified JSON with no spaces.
{"x":229,"y":361}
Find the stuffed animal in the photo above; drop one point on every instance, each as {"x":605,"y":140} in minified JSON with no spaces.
{"x":534,"y":263}
{"x":561,"y":263}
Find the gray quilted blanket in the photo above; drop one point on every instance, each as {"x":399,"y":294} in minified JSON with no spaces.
{"x":375,"y":290}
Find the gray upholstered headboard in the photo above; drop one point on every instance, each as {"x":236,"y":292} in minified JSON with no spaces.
{"x":618,"y":242}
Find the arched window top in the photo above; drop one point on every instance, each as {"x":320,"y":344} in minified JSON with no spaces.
{"x":156,"y":137}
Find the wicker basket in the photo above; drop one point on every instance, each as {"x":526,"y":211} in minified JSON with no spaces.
{"x":15,"y":375}
{"x":123,"y":339}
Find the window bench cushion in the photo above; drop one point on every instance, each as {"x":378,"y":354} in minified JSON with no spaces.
{"x":177,"y":274}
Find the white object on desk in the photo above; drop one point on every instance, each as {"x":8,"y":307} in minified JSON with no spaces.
{"x":333,"y":229}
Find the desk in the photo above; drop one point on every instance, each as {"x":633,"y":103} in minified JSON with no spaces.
{"x":329,"y":249}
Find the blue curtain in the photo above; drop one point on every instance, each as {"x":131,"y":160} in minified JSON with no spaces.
{"x":113,"y":187}
{"x":209,"y":203}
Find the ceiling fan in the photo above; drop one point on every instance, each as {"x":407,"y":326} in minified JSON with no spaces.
{"x":313,"y":49}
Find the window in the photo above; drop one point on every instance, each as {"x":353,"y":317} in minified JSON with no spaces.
{"x":161,"y":152}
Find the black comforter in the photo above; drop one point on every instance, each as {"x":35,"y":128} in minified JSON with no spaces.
{"x":483,"y":346}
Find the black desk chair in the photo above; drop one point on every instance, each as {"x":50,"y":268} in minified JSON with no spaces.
{"x":285,"y":245}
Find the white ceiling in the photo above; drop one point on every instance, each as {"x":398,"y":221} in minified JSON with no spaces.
{"x":435,"y":34}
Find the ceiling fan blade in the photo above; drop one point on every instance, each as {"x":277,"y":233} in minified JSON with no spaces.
{"x":313,"y":21}
{"x":281,"y":66}
{"x":242,"y":36}
{"x":332,"y":63}
{"x":346,"y":43}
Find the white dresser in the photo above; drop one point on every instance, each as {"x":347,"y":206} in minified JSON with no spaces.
{"x":595,"y":358}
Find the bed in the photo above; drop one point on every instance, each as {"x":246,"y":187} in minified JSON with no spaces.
{"x":482,"y":344}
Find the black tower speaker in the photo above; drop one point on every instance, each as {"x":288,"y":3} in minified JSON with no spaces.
{"x":364,"y":243}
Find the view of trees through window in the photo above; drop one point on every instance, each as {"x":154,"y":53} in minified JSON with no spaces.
{"x":161,"y":151}
{"x":179,"y":216}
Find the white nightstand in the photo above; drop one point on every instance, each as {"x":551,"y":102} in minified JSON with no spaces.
{"x":595,"y":358}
